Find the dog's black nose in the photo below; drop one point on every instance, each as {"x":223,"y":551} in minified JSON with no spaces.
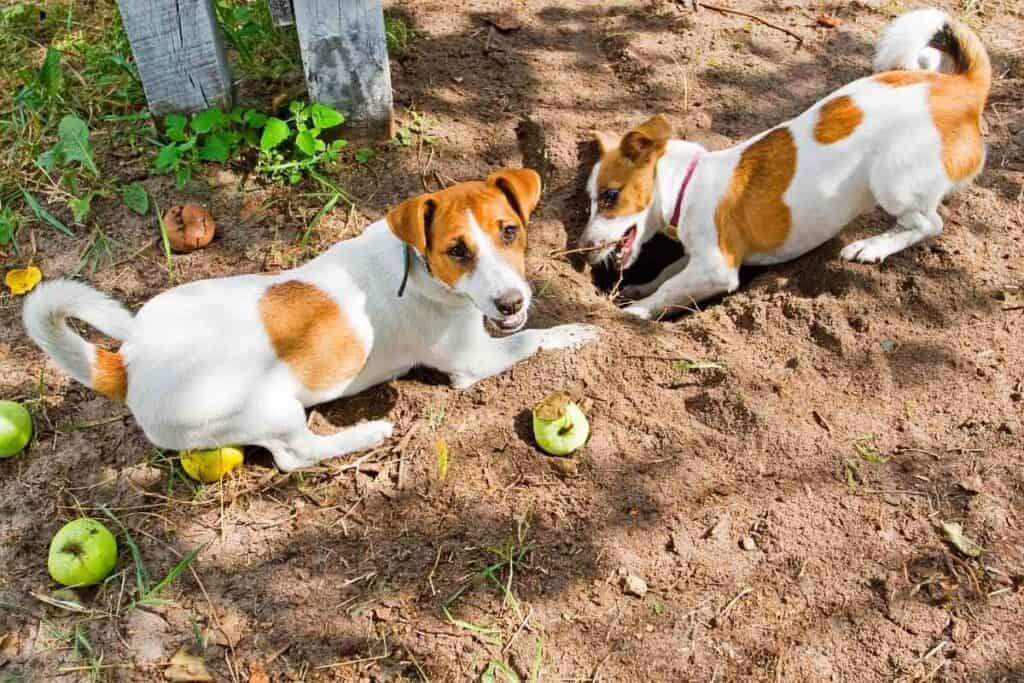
{"x":510,"y":302}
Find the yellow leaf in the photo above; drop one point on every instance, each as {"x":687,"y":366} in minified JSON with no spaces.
{"x":23,"y":280}
{"x":186,"y":667}
{"x":441,"y":448}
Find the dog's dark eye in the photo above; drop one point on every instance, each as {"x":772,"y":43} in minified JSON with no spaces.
{"x":608,"y":198}
{"x":509,"y":233}
{"x":458,"y":251}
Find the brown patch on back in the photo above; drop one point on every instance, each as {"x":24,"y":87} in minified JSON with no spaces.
{"x":311,"y":334}
{"x":837,"y":120}
{"x":955,"y":108}
{"x":108,"y":375}
{"x":752,"y":216}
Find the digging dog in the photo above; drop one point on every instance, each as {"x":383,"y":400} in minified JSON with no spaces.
{"x":236,"y":360}
{"x":901,"y":139}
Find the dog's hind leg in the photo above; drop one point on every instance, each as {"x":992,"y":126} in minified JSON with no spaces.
{"x":914,"y":227}
{"x":294,"y":445}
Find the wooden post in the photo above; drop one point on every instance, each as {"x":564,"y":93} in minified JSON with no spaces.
{"x":281,"y":12}
{"x":345,"y":58}
{"x":179,"y":52}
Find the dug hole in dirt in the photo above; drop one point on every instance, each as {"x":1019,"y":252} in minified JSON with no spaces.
{"x":771,"y":515}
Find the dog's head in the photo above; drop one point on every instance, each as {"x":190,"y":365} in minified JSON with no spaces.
{"x":621,"y":189}
{"x":472,"y":237}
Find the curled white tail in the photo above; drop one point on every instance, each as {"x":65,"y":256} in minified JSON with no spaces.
{"x":931,"y":40}
{"x":45,"y":316}
{"x":906,"y":43}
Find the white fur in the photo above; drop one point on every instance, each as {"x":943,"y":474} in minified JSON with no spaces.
{"x":904,"y":43}
{"x":203,"y":373}
{"x":45,"y":315}
{"x":892,"y":159}
{"x":492,"y":274}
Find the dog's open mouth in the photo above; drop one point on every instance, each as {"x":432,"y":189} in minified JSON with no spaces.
{"x":509,"y":324}
{"x":625,"y":247}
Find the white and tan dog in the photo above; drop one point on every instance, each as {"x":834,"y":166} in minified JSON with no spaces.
{"x":236,"y":360}
{"x":902,"y":139}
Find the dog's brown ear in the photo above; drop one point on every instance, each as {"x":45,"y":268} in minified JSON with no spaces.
{"x":606,"y":142}
{"x":410,"y":221}
{"x":645,"y":138}
{"x":521,"y":186}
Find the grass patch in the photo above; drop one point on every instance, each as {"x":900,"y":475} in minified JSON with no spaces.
{"x":499,"y":574}
{"x":400,"y":35}
{"x":147,"y":594}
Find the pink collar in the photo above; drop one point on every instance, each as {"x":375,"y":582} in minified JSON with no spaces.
{"x":682,"y":188}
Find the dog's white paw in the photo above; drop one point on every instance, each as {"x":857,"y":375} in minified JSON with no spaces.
{"x":638,"y":311}
{"x":869,"y":250}
{"x":569,"y":336}
{"x":374,"y":433}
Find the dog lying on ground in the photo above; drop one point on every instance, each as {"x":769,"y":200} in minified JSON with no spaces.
{"x":236,"y":360}
{"x":902,"y":139}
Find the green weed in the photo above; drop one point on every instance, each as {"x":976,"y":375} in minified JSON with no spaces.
{"x":147,"y":594}
{"x":287,"y":149}
{"x":398,"y":33}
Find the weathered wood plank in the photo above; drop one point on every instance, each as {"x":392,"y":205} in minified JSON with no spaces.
{"x":179,"y":52}
{"x":281,"y":12}
{"x":345,"y":58}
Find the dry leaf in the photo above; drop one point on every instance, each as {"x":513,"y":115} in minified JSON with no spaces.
{"x":830,"y":21}
{"x":23,"y":280}
{"x":1013,"y":301}
{"x":955,"y":535}
{"x":230,"y":631}
{"x":187,"y":667}
{"x":504,"y":22}
{"x":257,"y":674}
{"x":10,"y":644}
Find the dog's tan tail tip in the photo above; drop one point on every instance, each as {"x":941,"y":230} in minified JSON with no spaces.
{"x":109,"y":376}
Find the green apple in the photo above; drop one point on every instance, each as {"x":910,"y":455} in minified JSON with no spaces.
{"x":559,"y":425}
{"x":15,"y":428}
{"x":82,"y":553}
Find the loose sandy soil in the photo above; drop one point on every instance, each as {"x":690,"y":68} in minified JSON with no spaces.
{"x":336,"y":574}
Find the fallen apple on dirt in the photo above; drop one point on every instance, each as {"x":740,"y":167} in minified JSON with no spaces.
{"x":559,"y":425}
{"x":212,"y":464}
{"x":189,"y":227}
{"x":82,"y":553}
{"x":15,"y":428}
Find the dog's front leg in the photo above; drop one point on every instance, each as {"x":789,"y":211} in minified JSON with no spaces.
{"x":635,"y":292}
{"x":699,"y":280}
{"x":488,"y":356}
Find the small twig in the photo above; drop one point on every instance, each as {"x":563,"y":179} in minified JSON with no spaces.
{"x":430,"y":576}
{"x":518,"y":631}
{"x":580,"y":250}
{"x":904,"y":449}
{"x":905,"y":492}
{"x":597,"y":668}
{"x":720,"y":617}
{"x":726,"y":10}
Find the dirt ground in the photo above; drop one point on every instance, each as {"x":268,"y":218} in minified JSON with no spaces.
{"x":783,"y":509}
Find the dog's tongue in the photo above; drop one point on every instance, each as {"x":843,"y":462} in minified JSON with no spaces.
{"x":626,"y":243}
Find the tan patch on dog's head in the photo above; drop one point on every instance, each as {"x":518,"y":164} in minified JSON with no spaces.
{"x":752,"y":216}
{"x":625,"y":181}
{"x":108,"y":375}
{"x":438,"y":224}
{"x":837,"y":120}
{"x":311,"y":334}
